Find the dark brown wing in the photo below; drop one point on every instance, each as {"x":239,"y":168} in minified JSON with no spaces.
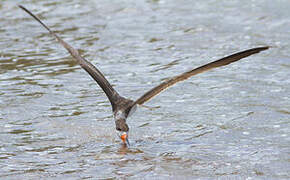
{"x":221,"y":62}
{"x":92,"y":70}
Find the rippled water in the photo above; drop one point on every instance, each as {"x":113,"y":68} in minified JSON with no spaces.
{"x":233,"y":122}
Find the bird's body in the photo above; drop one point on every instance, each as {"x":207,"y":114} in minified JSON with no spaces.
{"x":123,"y":107}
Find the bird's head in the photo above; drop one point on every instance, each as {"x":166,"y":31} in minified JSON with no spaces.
{"x":122,"y":127}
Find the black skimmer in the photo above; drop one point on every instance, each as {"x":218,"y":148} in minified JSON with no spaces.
{"x":123,"y":107}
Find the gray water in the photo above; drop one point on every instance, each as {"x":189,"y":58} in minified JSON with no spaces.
{"x":229,"y":123}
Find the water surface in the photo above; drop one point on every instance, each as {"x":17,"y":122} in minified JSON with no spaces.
{"x":233,"y":122}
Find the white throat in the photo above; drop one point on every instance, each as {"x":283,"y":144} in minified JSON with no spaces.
{"x":119,"y":115}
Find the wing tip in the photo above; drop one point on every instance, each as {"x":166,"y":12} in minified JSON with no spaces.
{"x":263,"y":48}
{"x":20,"y":6}
{"x":258,"y":49}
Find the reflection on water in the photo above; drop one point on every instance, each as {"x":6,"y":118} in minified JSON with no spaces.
{"x":229,"y":123}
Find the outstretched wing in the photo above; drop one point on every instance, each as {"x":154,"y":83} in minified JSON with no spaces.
{"x":221,"y":62}
{"x":86,"y":65}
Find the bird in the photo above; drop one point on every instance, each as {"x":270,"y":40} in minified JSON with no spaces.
{"x":123,"y":107}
